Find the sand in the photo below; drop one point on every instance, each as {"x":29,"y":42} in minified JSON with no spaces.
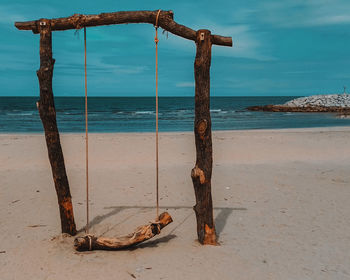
{"x":281,"y":201}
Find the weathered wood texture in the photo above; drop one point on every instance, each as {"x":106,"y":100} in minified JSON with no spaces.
{"x":165,"y":21}
{"x":201,"y":173}
{"x":47,"y":113}
{"x":141,"y":234}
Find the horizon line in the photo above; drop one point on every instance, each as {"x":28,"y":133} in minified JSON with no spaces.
{"x":149,"y":96}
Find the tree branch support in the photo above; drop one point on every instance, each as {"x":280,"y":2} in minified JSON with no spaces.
{"x":47,"y":113}
{"x":201,"y":173}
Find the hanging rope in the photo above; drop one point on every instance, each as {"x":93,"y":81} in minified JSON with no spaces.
{"x":86,"y":141}
{"x":157,"y":173}
{"x":156,"y":40}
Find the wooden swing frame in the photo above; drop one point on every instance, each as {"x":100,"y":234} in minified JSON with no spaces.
{"x":201,"y":173}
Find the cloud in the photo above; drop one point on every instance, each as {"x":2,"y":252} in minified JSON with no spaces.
{"x":10,"y":63}
{"x":263,"y":85}
{"x":23,"y":12}
{"x":73,"y":65}
{"x":333,"y":19}
{"x":185,"y":84}
{"x":8,"y":15}
{"x":301,"y":13}
{"x":247,"y":42}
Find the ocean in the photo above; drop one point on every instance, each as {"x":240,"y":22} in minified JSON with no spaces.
{"x":137,"y":114}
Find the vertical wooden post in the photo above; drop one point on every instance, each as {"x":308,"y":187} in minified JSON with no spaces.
{"x":201,"y":173}
{"x":47,"y":113}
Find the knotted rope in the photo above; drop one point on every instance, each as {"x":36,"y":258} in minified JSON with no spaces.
{"x":77,"y":20}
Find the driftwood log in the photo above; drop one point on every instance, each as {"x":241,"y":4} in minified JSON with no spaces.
{"x":201,"y":173}
{"x":140,"y":235}
{"x":165,"y":21}
{"x":46,"y":107}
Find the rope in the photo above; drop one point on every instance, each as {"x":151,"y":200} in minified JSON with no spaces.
{"x":157,"y":169}
{"x":156,"y":40}
{"x":86,"y":142}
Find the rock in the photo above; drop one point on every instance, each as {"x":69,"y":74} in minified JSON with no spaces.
{"x":330,"y":100}
{"x":316,"y":103}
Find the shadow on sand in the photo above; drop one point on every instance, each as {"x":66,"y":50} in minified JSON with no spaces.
{"x":154,"y":243}
{"x":220,"y":220}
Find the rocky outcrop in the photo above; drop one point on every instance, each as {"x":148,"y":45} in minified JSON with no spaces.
{"x":339,"y":103}
{"x":330,"y":100}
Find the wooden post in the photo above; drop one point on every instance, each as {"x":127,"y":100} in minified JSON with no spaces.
{"x":47,"y":113}
{"x":201,"y":173}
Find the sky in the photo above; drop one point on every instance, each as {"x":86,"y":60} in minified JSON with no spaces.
{"x":281,"y":48}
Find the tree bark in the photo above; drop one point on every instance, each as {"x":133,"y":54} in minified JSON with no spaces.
{"x":201,"y":173}
{"x":165,"y":21}
{"x":47,"y":113}
{"x":141,"y":234}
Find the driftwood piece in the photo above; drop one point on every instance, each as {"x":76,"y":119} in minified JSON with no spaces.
{"x":165,"y":21}
{"x":201,"y":173}
{"x":47,"y":113}
{"x":141,"y":234}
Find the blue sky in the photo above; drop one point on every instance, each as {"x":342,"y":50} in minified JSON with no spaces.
{"x":290,"y":47}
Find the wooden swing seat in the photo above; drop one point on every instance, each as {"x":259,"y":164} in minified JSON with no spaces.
{"x":141,"y":234}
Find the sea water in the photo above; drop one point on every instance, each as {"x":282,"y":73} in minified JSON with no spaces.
{"x":137,"y":114}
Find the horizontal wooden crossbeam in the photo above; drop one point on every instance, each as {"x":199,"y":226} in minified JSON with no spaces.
{"x":78,"y":21}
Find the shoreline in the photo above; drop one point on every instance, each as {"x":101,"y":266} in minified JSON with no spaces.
{"x":297,"y":129}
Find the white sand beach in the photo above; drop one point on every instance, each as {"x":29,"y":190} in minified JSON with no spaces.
{"x":281,"y":206}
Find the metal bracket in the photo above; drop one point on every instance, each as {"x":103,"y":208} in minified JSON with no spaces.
{"x":202,"y":36}
{"x":42,"y":23}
